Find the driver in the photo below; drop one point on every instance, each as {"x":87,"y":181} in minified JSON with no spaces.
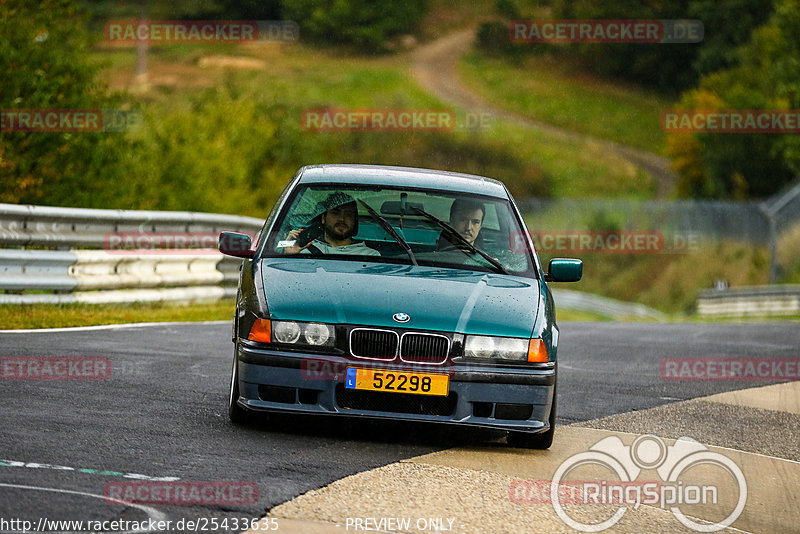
{"x":339,"y":223}
{"x":466,"y":217}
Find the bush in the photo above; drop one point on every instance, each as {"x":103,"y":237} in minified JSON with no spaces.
{"x":728,"y":165}
{"x":366,"y":24}
{"x":493,"y":39}
{"x":45,"y":65}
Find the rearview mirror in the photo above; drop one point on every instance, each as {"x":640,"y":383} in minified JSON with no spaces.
{"x":564,"y":270}
{"x":236,"y":244}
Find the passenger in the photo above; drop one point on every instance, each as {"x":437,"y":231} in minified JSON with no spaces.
{"x":339,"y":223}
{"x":466,"y":217}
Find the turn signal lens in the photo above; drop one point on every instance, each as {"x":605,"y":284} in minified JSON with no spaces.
{"x":537,"y":351}
{"x":261,"y":331}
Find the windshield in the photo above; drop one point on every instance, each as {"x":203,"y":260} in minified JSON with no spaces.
{"x":397,"y":225}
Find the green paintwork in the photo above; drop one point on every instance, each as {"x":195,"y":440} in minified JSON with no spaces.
{"x":565,"y":270}
{"x":450,"y":300}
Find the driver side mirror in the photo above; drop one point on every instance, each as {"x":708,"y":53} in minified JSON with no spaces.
{"x":564,"y":270}
{"x":236,"y":244}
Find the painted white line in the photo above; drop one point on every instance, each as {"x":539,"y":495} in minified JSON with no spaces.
{"x":36,"y":465}
{"x":152,"y":513}
{"x":105,"y":327}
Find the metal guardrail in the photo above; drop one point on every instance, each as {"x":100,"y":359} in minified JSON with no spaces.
{"x":84,"y":268}
{"x":783,"y":299}
{"x":22,"y":270}
{"x":25,"y":225}
{"x":616,"y":309}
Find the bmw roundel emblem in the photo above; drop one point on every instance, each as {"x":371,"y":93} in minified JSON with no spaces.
{"x":401,"y":317}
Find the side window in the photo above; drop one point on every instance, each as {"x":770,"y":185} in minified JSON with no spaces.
{"x":275,"y":209}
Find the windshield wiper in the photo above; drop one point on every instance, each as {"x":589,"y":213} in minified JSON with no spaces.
{"x":454,"y":233}
{"x":391,"y":231}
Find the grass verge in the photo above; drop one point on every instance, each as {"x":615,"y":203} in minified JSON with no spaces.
{"x":18,"y":317}
{"x":671,"y":282}
{"x":564,"y":314}
{"x":21,"y":316}
{"x":547,"y":89}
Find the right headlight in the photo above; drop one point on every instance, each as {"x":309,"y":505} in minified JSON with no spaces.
{"x":505,"y":348}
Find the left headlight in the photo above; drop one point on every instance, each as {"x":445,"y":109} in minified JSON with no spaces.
{"x":294,"y":333}
{"x":505,"y":348}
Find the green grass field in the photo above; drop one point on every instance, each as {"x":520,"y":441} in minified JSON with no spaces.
{"x":14,"y":317}
{"x":549,"y":90}
{"x":290,"y":78}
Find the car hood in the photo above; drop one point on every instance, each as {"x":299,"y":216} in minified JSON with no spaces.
{"x":435,"y":298}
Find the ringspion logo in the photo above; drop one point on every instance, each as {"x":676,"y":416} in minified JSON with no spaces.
{"x":682,"y":485}
{"x":581,"y":491}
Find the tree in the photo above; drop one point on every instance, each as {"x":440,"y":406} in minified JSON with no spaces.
{"x":766,"y":77}
{"x":669,"y":67}
{"x":44,"y":61}
{"x":366,"y":24}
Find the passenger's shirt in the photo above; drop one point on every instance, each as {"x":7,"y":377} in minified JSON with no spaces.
{"x":355,"y":248}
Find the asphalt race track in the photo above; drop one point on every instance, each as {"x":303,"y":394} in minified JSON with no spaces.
{"x":162,"y":413}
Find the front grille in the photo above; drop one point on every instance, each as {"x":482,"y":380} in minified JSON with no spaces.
{"x":373,"y":343}
{"x":395,"y":402}
{"x":424,"y":348}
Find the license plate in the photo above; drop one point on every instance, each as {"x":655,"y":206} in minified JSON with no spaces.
{"x":397,"y":381}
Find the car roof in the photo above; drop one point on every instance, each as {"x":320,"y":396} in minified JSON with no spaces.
{"x":403,"y":176}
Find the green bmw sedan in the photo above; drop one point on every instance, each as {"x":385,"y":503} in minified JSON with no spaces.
{"x":397,"y":293}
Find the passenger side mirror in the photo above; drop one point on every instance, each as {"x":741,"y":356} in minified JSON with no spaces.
{"x":564,"y":270}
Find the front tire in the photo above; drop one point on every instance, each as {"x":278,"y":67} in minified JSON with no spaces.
{"x":236,"y":413}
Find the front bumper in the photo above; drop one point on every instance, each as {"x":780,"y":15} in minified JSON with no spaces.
{"x":490,"y":396}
